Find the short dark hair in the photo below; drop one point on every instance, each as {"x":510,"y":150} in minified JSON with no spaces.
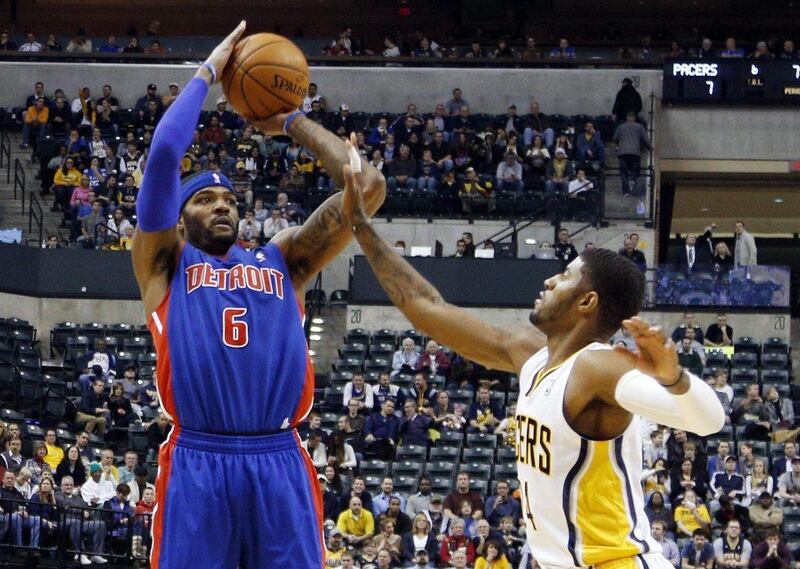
{"x":618,"y":282}
{"x":700,"y":531}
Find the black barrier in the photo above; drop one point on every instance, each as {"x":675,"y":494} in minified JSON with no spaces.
{"x":69,"y":531}
{"x":501,"y":283}
{"x":67,"y":273}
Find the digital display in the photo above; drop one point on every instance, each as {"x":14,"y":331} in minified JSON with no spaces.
{"x":736,"y":81}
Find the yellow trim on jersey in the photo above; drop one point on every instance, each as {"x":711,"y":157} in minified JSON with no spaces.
{"x":542,"y":373}
{"x":624,"y":563}
{"x":602,"y":514}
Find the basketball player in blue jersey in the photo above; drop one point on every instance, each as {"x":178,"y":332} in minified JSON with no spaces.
{"x":234,"y":487}
{"x":579,"y":451}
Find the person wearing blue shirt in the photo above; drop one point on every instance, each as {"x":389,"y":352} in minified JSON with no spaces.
{"x":590,"y":147}
{"x":380,"y":430}
{"x":502,"y":504}
{"x":414,"y":426}
{"x":484,"y":415}
{"x":380,"y":503}
{"x":110,"y":46}
{"x":731,"y":50}
{"x":698,"y":553}
{"x":563,"y":51}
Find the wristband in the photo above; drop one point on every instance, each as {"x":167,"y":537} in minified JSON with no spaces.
{"x":212,"y":71}
{"x":290,"y":119}
{"x":680,"y":377}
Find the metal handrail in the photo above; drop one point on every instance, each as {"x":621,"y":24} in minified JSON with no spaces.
{"x":19,"y":182}
{"x":5,"y":154}
{"x":108,"y":228}
{"x":35,"y":213}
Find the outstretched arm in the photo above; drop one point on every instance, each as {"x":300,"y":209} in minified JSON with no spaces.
{"x":156,"y":240}
{"x":308,"y":248}
{"x":491,"y":346}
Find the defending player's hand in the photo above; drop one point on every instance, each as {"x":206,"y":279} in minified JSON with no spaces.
{"x":656,"y":355}
{"x":353,"y":196}
{"x":222,"y":53}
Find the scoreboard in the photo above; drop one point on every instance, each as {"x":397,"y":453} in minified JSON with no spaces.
{"x":733,"y":81}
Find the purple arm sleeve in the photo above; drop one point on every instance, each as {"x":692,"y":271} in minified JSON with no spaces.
{"x":158,"y":203}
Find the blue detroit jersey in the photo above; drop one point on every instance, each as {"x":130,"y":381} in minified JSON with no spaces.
{"x":236,"y":357}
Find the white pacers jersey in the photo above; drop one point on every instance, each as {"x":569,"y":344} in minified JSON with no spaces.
{"x":581,"y":499}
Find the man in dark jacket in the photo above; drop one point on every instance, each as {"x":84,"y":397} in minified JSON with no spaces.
{"x":628,"y":100}
{"x":15,"y":511}
{"x":93,"y":409}
{"x":81,"y":522}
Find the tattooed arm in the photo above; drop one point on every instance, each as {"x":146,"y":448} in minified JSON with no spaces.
{"x":494,"y":347}
{"x":311,"y":246}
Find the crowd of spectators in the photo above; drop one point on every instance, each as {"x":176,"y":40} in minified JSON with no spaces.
{"x":94,"y":153}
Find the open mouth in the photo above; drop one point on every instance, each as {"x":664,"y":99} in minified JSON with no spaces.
{"x":223,"y":222}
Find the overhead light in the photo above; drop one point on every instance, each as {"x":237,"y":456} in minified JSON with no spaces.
{"x":704,"y":209}
{"x":315,"y":337}
{"x":317,"y":329}
{"x":318,"y":320}
{"x":530,"y":241}
{"x":778,"y":200}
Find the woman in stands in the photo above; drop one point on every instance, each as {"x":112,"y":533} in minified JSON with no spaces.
{"x":37,"y":465}
{"x":43,"y":506}
{"x":389,"y":540}
{"x":657,"y":510}
{"x":342,"y":456}
{"x":723,"y":260}
{"x":120,"y":407}
{"x":420,"y":537}
{"x":66,"y":179}
{"x":657,"y":479}
{"x":684,"y":480}
{"x":71,"y":465}
{"x":333,"y":480}
{"x":494,"y":558}
{"x":757,"y":482}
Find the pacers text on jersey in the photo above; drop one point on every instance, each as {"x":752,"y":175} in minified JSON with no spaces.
{"x":258,"y":279}
{"x":533,"y":443}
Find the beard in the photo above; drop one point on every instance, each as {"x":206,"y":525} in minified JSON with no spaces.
{"x":205,"y":239}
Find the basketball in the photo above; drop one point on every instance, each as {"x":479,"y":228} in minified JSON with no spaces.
{"x":266,"y":75}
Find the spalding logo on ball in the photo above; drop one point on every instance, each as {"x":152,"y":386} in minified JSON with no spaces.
{"x":267,"y":74}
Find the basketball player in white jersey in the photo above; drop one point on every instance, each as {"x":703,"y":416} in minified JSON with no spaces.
{"x":579,"y":451}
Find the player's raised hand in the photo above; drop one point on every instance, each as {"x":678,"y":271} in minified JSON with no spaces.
{"x":353,"y":196}
{"x":222,"y":53}
{"x":655,"y":355}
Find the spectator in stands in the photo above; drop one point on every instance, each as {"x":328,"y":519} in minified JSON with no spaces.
{"x":727,"y":483}
{"x":761,"y":52}
{"x":780,"y":409}
{"x":784,"y":464}
{"x":442,"y":413}
{"x":509,"y":174}
{"x":110,"y":45}
{"x":456,"y":542}
{"x":590,"y":147}
{"x":706,"y":50}
{"x":688,"y":358}
{"x":697,"y":552}
{"x":462,"y":493}
{"x":381,"y":429}
{"x":789,"y":485}
{"x":157,"y":433}
{"x":274,"y":224}
{"x":630,"y":137}
{"x":93,"y":409}
{"x":290,"y":211}
{"x":36,"y":117}
{"x":745,"y":252}
{"x":719,"y":334}
{"x":730,"y":49}
{"x":628,"y":100}
{"x":454,"y":105}
{"x":502,"y":504}
{"x":126,"y":472}
{"x":772,"y":553}
{"x":421,"y":501}
{"x":422,"y":392}
{"x":5,"y":43}
{"x":59,"y":118}
{"x":388,"y":540}
{"x":80,"y":523}
{"x":357,"y":523}
{"x":559,"y":172}
{"x":316,"y":449}
{"x":581,"y":184}
{"x":658,"y":530}
{"x":291,"y":181}
{"x":565,"y":250}
{"x":385,"y":390}
{"x":249,"y":227}
{"x":434,"y":361}
{"x":120,"y":517}
{"x":691,"y":515}
{"x":476,"y":192}
{"x":358,"y":390}
{"x":636,"y":256}
{"x":657,"y":510}
{"x":341,"y":455}
{"x":139,"y":485}
{"x":428,"y":174}
{"x":757,"y":482}
{"x":143,"y":512}
{"x":30,"y":45}
{"x":752,"y":413}
{"x":420,"y":540}
{"x":80,"y":43}
{"x":732,"y":550}
{"x":405,"y":359}
{"x":655,"y":449}
{"x":687,"y":322}
{"x":723,"y":259}
{"x":401,"y":171}
{"x":716,"y":463}
{"x":121,"y":412}
{"x":15,"y":512}
{"x":536,"y":123}
{"x":484,"y":414}
{"x":127,"y":195}
{"x":414,"y":426}
{"x":71,"y":465}
{"x":746,"y":458}
{"x":67,"y":177}
{"x":765,"y":516}
{"x":99,"y":487}
{"x":55,"y":454}
{"x":357,"y":420}
{"x":475,"y":51}
{"x":380,"y":503}
{"x":788,"y":51}
{"x":563,"y":51}
{"x":37,"y":464}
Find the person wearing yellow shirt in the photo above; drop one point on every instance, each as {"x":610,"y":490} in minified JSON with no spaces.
{"x":356,"y":523}
{"x":55,"y":454}
{"x":690,"y":515}
{"x":36,"y":117}
{"x":65,"y":180}
{"x":475,"y":192}
{"x":494,"y":558}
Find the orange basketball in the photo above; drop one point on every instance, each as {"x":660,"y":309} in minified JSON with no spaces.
{"x":267,"y":74}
